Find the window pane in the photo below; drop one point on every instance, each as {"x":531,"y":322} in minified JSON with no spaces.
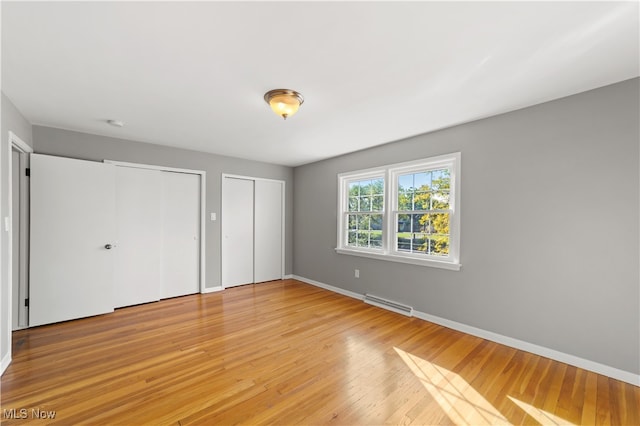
{"x":351,"y":238}
{"x":405,"y":200}
{"x":440,"y":245}
{"x":376,"y":222}
{"x":365,"y":204}
{"x":441,"y":179}
{"x":423,"y":233}
{"x":421,"y":200}
{"x":364,"y":222}
{"x":377,"y":203}
{"x":365,"y":187}
{"x":353,"y":204}
{"x":404,"y":244}
{"x":354,"y":189}
{"x":440,"y":200}
{"x":424,"y":190}
{"x":363,"y":239}
{"x":364,"y":230}
{"x":404,"y":223}
{"x":352,"y":222}
{"x":424,"y":223}
{"x":405,"y":183}
{"x":433,"y":223}
{"x":416,"y":221}
{"x":378,"y":187}
{"x":418,"y":243}
{"x":366,"y":195}
{"x":440,"y":223}
{"x":376,"y":239}
{"x":422,"y":181}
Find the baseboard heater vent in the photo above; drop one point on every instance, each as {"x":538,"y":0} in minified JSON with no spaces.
{"x":388,"y":304}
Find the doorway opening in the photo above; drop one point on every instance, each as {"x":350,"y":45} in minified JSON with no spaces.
{"x":18,"y":258}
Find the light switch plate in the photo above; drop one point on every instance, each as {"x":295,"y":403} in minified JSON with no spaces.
{"x":213,"y":216}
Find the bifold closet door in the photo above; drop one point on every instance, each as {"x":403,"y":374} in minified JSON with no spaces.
{"x":181,"y":234}
{"x":71,"y":239}
{"x":138,"y":255}
{"x":252,"y":225}
{"x":268,"y":242}
{"x":237,"y":232}
{"x":158,"y":250}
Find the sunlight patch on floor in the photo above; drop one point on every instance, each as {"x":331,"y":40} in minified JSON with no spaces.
{"x":460,"y":401}
{"x":541,"y":416}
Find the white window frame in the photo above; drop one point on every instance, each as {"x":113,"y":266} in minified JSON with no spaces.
{"x":390,"y":173}
{"x":343,"y":203}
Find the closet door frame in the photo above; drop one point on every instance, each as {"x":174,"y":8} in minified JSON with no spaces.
{"x":284,"y":191}
{"x":203,"y":191}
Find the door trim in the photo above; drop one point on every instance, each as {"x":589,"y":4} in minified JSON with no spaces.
{"x":21,"y":146}
{"x":203,"y":201}
{"x":284,"y":213}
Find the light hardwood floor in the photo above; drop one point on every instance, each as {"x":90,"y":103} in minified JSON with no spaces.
{"x":286,"y":352}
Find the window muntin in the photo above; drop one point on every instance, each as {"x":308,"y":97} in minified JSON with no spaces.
{"x":414,"y":219}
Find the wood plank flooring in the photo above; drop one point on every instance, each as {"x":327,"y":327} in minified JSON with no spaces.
{"x":289,"y":353}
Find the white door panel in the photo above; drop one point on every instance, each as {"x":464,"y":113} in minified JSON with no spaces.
{"x":72,"y":220}
{"x":268,"y":231}
{"x":139,"y":221}
{"x":237,"y":232}
{"x":181,"y":231}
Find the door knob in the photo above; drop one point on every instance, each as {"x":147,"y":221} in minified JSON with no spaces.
{"x":108,"y":246}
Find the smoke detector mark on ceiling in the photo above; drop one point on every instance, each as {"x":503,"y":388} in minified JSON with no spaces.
{"x":116,"y":123}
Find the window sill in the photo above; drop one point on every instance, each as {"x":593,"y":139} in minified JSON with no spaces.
{"x":402,"y":259}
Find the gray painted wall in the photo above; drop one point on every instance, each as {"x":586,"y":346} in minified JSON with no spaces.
{"x":550,"y":226}
{"x":12,"y":121}
{"x":91,"y":147}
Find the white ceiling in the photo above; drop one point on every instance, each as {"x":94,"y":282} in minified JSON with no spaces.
{"x":192,"y":75}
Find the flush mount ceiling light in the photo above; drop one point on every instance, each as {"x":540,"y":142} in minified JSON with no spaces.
{"x":284,"y":102}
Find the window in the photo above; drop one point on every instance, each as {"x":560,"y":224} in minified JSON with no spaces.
{"x":365,"y":206}
{"x":406,"y":212}
{"x":422,"y":212}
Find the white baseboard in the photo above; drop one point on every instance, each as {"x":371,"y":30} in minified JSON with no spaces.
{"x":596,"y":367}
{"x":330,"y":287}
{"x":287,"y":277}
{"x":576,"y":361}
{"x":212,"y":289}
{"x":5,"y":363}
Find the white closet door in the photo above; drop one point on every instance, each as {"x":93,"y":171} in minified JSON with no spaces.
{"x":72,"y":224}
{"x":138,"y":255}
{"x":181,"y":230}
{"x":268,"y":231}
{"x":237,"y":232}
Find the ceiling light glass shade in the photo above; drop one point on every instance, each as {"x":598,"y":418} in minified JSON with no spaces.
{"x":284,"y":102}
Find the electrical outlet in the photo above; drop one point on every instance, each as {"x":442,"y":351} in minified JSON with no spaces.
{"x":357,"y":273}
